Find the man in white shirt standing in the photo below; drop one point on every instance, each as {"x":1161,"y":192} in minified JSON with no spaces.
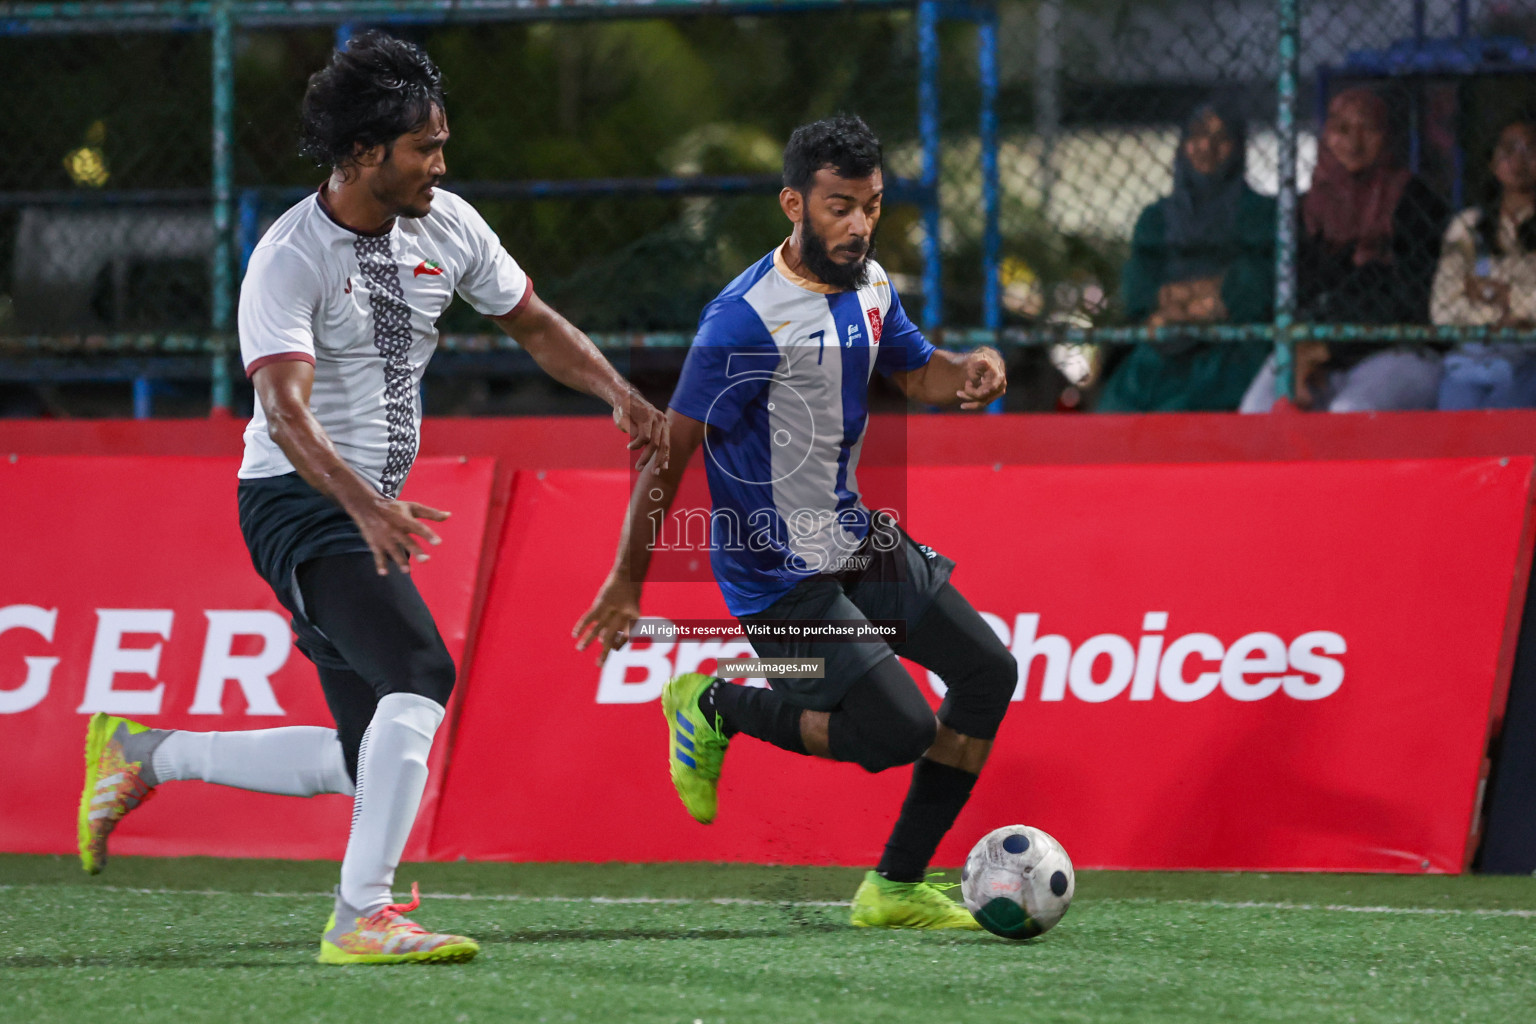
{"x":338,"y":316}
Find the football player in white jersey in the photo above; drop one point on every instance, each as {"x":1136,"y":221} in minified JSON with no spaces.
{"x":338,"y":316}
{"x":776,"y":387}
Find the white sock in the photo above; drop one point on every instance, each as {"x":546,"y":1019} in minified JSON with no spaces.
{"x":391,"y":775}
{"x":299,"y":760}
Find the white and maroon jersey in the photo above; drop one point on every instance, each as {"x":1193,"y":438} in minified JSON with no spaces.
{"x":363,"y":309}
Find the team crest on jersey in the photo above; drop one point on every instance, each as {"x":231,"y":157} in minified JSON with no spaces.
{"x":874,"y":323}
{"x":430,"y":267}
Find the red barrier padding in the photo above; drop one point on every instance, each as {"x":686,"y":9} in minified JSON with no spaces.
{"x":1262,"y":667}
{"x":127,"y":588}
{"x":946,"y":439}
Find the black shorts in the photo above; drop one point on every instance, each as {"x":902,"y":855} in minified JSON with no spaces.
{"x":897,"y":584}
{"x":286,"y":522}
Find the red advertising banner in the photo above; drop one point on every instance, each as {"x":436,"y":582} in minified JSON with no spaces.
{"x":1235,"y":666}
{"x":127,"y":588}
{"x":1261,"y":666}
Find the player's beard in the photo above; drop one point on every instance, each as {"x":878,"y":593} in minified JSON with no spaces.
{"x":406,"y":198}
{"x":415,"y":205}
{"x":842,"y":276}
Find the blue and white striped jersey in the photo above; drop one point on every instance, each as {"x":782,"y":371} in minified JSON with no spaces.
{"x":779,"y":371}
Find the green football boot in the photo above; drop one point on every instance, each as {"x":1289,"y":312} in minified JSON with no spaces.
{"x":388,"y":937}
{"x":119,"y":776}
{"x":881,"y":903}
{"x":695,"y":746}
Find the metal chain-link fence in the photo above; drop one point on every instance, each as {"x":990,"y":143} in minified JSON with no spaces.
{"x":99,"y":186}
{"x":1098,"y":184}
{"x":630,"y":163}
{"x":1140,"y":165}
{"x":1096,"y":95}
{"x":1409,"y":108}
{"x":538,"y":108}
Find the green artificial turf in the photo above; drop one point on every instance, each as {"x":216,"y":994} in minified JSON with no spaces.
{"x":181,"y":941}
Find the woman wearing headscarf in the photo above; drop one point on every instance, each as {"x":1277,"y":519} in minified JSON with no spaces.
{"x":1487,"y":276}
{"x":1369,"y":242}
{"x":1202,"y":255}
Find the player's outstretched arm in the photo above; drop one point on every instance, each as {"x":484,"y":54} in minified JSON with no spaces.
{"x":967,"y":379}
{"x":617,"y":604}
{"x":568,"y":355}
{"x":389,"y":527}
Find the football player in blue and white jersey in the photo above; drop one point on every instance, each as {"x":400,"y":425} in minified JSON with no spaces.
{"x":776,"y":389}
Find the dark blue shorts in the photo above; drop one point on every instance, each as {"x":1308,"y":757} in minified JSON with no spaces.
{"x":898,"y":584}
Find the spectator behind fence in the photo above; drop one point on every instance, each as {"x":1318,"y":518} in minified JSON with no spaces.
{"x":1203,"y":255}
{"x":1487,"y":276}
{"x":1369,"y":240}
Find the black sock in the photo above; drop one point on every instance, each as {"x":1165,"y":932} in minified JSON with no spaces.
{"x":934,"y":799}
{"x":759,"y":713}
{"x":713,"y":712}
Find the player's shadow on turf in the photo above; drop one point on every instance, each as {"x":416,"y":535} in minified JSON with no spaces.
{"x":689,"y":934}
{"x":205,"y":957}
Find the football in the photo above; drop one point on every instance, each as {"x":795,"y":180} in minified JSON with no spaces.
{"x":1017,"y":882}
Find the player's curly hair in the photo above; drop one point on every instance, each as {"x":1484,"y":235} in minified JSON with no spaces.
{"x":376,"y":90}
{"x":844,"y":143}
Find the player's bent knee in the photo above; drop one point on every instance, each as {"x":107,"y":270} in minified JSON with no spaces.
{"x":879,"y":744}
{"x":429,"y":672}
{"x":976,"y":703}
{"x":438,"y":678}
{"x":918,"y":737}
{"x":903,"y":743}
{"x":1001,"y":677}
